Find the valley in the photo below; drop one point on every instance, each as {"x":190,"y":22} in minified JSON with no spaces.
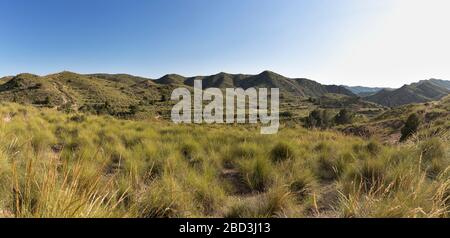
{"x":102,"y":145}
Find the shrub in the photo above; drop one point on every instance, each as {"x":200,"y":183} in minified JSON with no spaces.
{"x":277,"y":203}
{"x":286,"y":114}
{"x":258,"y":174}
{"x":374,"y":147}
{"x":302,"y":186}
{"x":410,"y":127}
{"x":160,"y":202}
{"x":245,"y":151}
{"x":191,"y":152}
{"x":207,"y":194}
{"x":282,"y":152}
{"x":5,"y":174}
{"x":78,"y":118}
{"x":432,"y":149}
{"x":344,"y":117}
{"x":319,"y":119}
{"x":328,"y":168}
{"x":434,"y":156}
{"x":370,"y":175}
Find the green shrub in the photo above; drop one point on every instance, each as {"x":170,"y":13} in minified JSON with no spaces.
{"x":282,"y":152}
{"x":245,"y":151}
{"x":328,"y":168}
{"x":276,"y":203}
{"x":370,"y":175}
{"x":432,"y":149}
{"x":344,"y":117}
{"x":410,"y":127}
{"x":319,"y":119}
{"x":191,"y":152}
{"x":302,"y":185}
{"x":258,"y":174}
{"x":374,"y":148}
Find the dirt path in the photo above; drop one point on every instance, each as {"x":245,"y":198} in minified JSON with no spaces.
{"x":66,"y":97}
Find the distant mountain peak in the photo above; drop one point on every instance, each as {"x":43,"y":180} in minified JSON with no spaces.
{"x":270,"y":73}
{"x":171,"y":79}
{"x":422,"y":91}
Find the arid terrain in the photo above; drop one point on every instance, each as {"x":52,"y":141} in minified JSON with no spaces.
{"x":100,"y":145}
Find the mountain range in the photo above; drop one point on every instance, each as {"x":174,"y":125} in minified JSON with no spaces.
{"x":423,"y":91}
{"x":122,"y":91}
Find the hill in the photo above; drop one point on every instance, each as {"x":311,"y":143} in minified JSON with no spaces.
{"x":421,"y":92}
{"x":434,"y":121}
{"x":5,"y":79}
{"x":289,"y":87}
{"x":99,"y":93}
{"x":126,"y":95}
{"x":441,"y":83}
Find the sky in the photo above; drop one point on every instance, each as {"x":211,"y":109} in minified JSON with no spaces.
{"x":384,"y":43}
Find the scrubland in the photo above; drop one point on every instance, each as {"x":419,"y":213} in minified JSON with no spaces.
{"x":55,"y":164}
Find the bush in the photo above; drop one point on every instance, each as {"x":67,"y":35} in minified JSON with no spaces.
{"x":432,"y":149}
{"x":277,"y":203}
{"x":371,"y":175}
{"x":319,"y":119}
{"x":373,"y":147}
{"x":410,"y":128}
{"x":245,"y":151}
{"x":191,"y":152}
{"x":302,"y":186}
{"x":329,"y":168}
{"x":344,"y":117}
{"x":286,"y":114}
{"x":258,"y":174}
{"x":282,"y":152}
{"x":161,"y":202}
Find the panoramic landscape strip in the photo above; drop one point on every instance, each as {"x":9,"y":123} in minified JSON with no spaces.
{"x":237,"y":112}
{"x":78,"y":145}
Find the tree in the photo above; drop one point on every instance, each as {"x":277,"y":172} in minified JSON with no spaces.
{"x":133,"y":109}
{"x":344,"y":117}
{"x":46,"y":100}
{"x":411,"y":126}
{"x":319,"y":119}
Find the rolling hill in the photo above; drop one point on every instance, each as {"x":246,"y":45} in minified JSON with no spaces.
{"x":434,"y":117}
{"x":440,"y":83}
{"x":112,"y":94}
{"x":297,"y":87}
{"x":119,"y":94}
{"x":424,"y":91}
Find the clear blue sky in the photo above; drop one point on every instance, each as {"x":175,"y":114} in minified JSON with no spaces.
{"x":297,"y":38}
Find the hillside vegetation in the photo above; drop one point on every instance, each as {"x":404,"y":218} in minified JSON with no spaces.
{"x":424,"y":91}
{"x":102,"y":145}
{"x":120,"y":92}
{"x":434,"y":120}
{"x":55,"y":164}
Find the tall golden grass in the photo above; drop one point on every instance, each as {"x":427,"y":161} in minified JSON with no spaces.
{"x":73,"y":165}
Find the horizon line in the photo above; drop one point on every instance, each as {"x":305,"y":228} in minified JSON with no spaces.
{"x":206,"y":75}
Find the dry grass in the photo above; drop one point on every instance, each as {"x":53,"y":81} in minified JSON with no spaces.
{"x":72,"y":165}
